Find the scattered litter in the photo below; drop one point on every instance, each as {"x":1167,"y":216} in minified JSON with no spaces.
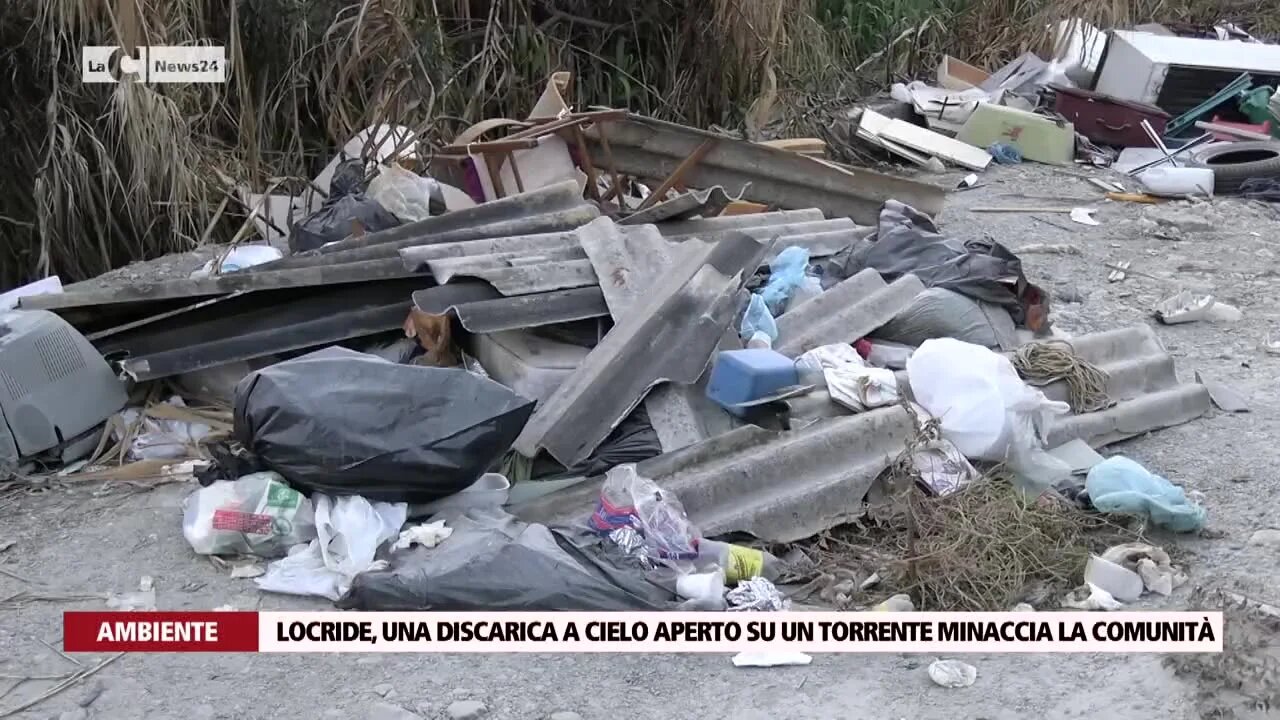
{"x":757,"y":321}
{"x":1084,"y":216}
{"x":897,"y":603}
{"x":427,"y":535}
{"x":258,"y":514}
{"x":346,"y":212}
{"x":1177,"y":181}
{"x":1222,"y":312}
{"x":151,"y":437}
{"x":248,"y":570}
{"x":239,"y":258}
{"x":1272,"y":347}
{"x":1152,"y":565}
{"x":942,"y":467}
{"x":952,"y":673}
{"x":144,"y":599}
{"x":407,"y":195}
{"x":1184,"y":307}
{"x":1022,"y":607}
{"x":1120,"y":583}
{"x":1049,"y":249}
{"x":6,"y":544}
{"x":1005,"y":154}
{"x":702,"y":591}
{"x":1118,"y":271}
{"x":786,"y":274}
{"x":1120,"y":485}
{"x":349,"y":531}
{"x":969,"y":182}
{"x":872,"y":580}
{"x":1090,"y":597}
{"x":770,"y":658}
{"x":757,"y":594}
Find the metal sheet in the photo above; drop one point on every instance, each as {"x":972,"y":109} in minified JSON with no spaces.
{"x":845,"y":312}
{"x":780,"y":178}
{"x":777,"y":486}
{"x":481,"y":309}
{"x":668,"y":337}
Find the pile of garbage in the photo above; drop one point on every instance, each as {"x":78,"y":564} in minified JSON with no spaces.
{"x":1085,"y":105}
{"x":566,"y":368}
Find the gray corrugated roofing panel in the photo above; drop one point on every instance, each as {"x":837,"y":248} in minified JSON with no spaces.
{"x":770,"y":231}
{"x":446,"y":268}
{"x":416,"y":258}
{"x":669,"y":337}
{"x":738,"y":222}
{"x":845,"y":312}
{"x":691,"y":204}
{"x":777,"y":486}
{"x":653,"y":148}
{"x":481,"y":309}
{"x":1141,"y":378}
{"x":521,"y":214}
{"x":633,"y":263}
{"x":535,"y":278}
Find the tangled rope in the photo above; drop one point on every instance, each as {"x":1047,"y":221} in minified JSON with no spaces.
{"x":1043,"y":363}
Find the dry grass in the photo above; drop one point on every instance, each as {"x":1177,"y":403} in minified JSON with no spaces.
{"x":99,"y":175}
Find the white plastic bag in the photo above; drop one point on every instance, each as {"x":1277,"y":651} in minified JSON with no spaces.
{"x":985,"y":407}
{"x":404,"y":193}
{"x":349,"y":532}
{"x":163,"y":439}
{"x":256,"y":515}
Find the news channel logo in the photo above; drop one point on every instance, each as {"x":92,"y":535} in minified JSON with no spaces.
{"x":155,"y":64}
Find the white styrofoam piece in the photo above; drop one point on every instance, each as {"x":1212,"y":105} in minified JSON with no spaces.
{"x":940,"y":146}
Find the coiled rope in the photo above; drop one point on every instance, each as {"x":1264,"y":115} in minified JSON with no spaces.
{"x":1046,"y":362}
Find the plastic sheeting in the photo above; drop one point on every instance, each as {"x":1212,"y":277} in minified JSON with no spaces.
{"x":493,"y":561}
{"x":384,"y":431}
{"x":939,"y":313}
{"x":908,"y":241}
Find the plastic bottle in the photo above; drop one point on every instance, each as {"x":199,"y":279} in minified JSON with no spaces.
{"x":738,"y":562}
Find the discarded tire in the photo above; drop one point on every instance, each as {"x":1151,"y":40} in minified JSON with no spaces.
{"x":1233,"y":164}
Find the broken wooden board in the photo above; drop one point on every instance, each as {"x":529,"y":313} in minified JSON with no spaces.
{"x":869,"y":127}
{"x":939,"y":146}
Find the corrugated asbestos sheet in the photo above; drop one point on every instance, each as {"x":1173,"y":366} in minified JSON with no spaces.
{"x":695,"y":203}
{"x":845,"y":312}
{"x":785,"y":486}
{"x":668,"y":338}
{"x":780,"y":178}
{"x":777,"y":486}
{"x":481,"y":309}
{"x":1142,"y":381}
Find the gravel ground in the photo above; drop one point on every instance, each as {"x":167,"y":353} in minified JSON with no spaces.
{"x":93,"y":539}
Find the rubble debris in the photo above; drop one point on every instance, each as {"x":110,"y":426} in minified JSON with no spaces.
{"x":952,"y":673}
{"x":1152,"y":565}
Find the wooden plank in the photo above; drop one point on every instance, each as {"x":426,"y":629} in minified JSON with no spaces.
{"x":677,"y":175}
{"x":927,"y":141}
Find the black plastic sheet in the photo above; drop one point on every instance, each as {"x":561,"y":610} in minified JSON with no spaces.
{"x":493,"y":561}
{"x":345,"y":423}
{"x":346,"y":204}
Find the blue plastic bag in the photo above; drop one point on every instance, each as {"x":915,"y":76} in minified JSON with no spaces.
{"x":786,"y":273}
{"x":756,"y":319}
{"x":1120,"y":485}
{"x":1005,"y":154}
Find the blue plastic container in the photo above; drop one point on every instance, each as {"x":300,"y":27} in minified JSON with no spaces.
{"x":740,"y":376}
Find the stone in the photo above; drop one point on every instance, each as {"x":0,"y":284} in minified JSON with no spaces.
{"x":389,"y":711}
{"x":564,"y":715}
{"x":467,"y":710}
{"x":384,"y":689}
{"x":77,"y":714}
{"x":1266,"y":538}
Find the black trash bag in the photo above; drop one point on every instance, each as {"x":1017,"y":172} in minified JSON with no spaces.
{"x":908,"y":242}
{"x":633,"y":441}
{"x":493,"y":561}
{"x":346,"y":203}
{"x":345,"y":423}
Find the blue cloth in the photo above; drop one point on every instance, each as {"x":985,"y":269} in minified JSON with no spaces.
{"x":786,"y":273}
{"x":1005,"y":154}
{"x":757,"y":318}
{"x":1120,"y":485}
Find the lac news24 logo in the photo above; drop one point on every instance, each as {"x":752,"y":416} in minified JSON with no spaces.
{"x":155,"y":64}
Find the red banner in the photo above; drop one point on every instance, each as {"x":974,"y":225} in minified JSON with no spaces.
{"x":160,"y":631}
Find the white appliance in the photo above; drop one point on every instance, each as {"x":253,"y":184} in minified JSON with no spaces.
{"x":1175,"y":73}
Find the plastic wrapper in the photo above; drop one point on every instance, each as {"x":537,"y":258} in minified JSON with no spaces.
{"x":256,"y":515}
{"x":349,"y":531}
{"x":346,"y":207}
{"x":1120,"y":485}
{"x":407,"y":195}
{"x":387,"y":432}
{"x":495,"y":562}
{"x":629,"y":499}
{"x":758,"y":320}
{"x":786,"y":275}
{"x":757,"y":594}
